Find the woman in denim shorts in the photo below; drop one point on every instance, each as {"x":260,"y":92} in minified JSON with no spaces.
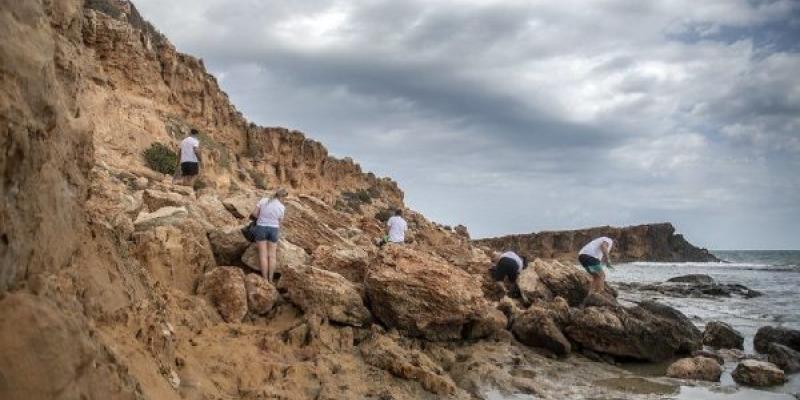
{"x":268,"y":215}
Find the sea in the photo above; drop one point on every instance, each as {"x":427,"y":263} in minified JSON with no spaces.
{"x":775,"y":273}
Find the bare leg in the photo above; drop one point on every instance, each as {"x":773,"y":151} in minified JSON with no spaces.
{"x":599,"y":281}
{"x":273,"y":259}
{"x":263,"y":259}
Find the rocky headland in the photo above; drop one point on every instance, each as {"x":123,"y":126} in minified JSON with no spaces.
{"x":649,"y":242}
{"x":117,"y":283}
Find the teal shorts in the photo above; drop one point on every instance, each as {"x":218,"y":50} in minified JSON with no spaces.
{"x":590,"y":264}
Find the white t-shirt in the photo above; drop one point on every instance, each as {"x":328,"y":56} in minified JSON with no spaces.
{"x":513,"y":256}
{"x":397,"y":229}
{"x":187,"y":149}
{"x":270,"y":212}
{"x":593,"y":248}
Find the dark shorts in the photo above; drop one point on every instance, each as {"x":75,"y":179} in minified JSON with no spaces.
{"x":190,"y":168}
{"x":506,"y":267}
{"x":266,"y":233}
{"x":590,"y":264}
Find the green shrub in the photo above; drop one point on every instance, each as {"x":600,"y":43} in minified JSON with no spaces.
{"x":161,"y":158}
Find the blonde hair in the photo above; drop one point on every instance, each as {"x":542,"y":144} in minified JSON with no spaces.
{"x":279,"y":194}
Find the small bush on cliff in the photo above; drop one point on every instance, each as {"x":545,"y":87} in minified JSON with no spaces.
{"x":161,"y":158}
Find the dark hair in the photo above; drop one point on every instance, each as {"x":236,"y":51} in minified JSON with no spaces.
{"x":398,"y":212}
{"x":194,"y":132}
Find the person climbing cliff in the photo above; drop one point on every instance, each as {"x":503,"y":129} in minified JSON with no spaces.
{"x":508,"y":265}
{"x":189,"y":158}
{"x":268,"y":214}
{"x":395,"y":229}
{"x":591,"y":256}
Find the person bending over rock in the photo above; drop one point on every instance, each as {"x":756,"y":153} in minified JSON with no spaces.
{"x":268,"y":215}
{"x":395,"y":229}
{"x":591,"y":256}
{"x":508,"y":265}
{"x":189,"y":158}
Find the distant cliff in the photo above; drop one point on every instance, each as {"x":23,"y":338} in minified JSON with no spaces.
{"x":651,"y":242}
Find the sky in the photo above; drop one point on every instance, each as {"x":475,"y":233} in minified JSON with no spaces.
{"x":523,"y":116}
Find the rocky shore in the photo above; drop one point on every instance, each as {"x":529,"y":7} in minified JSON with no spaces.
{"x":117,"y":283}
{"x":650,"y":242}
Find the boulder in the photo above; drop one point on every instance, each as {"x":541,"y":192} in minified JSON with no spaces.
{"x":382,"y":352}
{"x":701,"y":279}
{"x":699,"y":368}
{"x":491,"y":324}
{"x":536,"y":327}
{"x":422,"y":295}
{"x":347,"y":261}
{"x":288,"y":254}
{"x":649,"y":331}
{"x":215,"y":212}
{"x":768,"y":334}
{"x":261,"y":295}
{"x":784,"y":357}
{"x":155,"y":199}
{"x":565,"y":280}
{"x":531,"y":287}
{"x":722,"y":336}
{"x":225,"y":288}
{"x":160,"y":217}
{"x":175,"y":255}
{"x":325,"y":293}
{"x":228,"y":245}
{"x":241,"y":205}
{"x":709,"y":354}
{"x":758,"y":373}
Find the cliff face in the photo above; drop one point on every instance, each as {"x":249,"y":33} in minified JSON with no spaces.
{"x":651,"y":242}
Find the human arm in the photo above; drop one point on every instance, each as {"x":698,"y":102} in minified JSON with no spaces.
{"x":256,"y":211}
{"x":606,"y":256}
{"x":197,"y":153}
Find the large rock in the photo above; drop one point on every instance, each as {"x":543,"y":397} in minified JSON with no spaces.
{"x":347,"y":261}
{"x":699,"y":368}
{"x":241,"y":205}
{"x":422,"y":295}
{"x":536,"y":327}
{"x":784,"y":357}
{"x":565,"y":280}
{"x":722,"y":336}
{"x":215,"y":212}
{"x":649,"y":331}
{"x":325,"y":293}
{"x":758,"y":373}
{"x":155,"y":199}
{"x":493,"y":323}
{"x":701,"y":279}
{"x":160,"y":217}
{"x":175,"y":255}
{"x":531,"y":287}
{"x":225,"y":288}
{"x":768,"y":334}
{"x":261,"y":295}
{"x":228,"y":245}
{"x":382,"y":352}
{"x":288,"y":254}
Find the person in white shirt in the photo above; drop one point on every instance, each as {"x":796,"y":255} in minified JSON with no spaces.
{"x":268,"y":215}
{"x":590,"y":256}
{"x":189,"y":158}
{"x":396,"y":227}
{"x":508,"y":265}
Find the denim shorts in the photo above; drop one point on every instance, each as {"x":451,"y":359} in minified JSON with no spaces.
{"x":266,"y":233}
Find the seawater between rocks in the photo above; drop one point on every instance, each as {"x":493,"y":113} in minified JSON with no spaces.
{"x":774,"y":273}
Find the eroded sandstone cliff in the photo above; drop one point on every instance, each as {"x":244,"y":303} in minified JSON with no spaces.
{"x":117,"y":283}
{"x":650,"y":242}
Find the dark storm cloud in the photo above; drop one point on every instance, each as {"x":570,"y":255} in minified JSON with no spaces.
{"x":579,"y":114}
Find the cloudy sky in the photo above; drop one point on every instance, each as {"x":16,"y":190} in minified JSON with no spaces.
{"x":520,"y":116}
